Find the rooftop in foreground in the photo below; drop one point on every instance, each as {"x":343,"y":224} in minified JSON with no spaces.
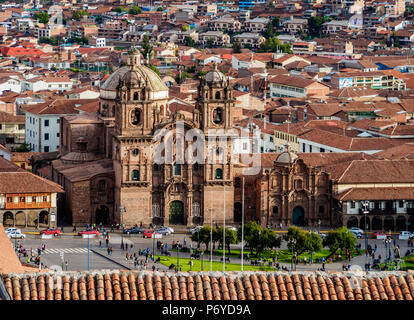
{"x":147,"y":285}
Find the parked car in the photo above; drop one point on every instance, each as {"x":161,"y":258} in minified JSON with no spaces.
{"x":134,"y":230}
{"x":195,"y":229}
{"x":232,"y":228}
{"x":405,"y":235}
{"x":358,"y":230}
{"x":163,"y":231}
{"x":322,"y":235}
{"x":88,"y":232}
{"x":149,"y":233}
{"x":55,"y":232}
{"x":12,"y":230}
{"x":16,"y":235}
{"x":380,"y":235}
{"x":357,"y":234}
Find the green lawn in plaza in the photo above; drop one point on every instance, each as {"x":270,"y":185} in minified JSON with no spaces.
{"x":217,"y":266}
{"x":282,"y":255}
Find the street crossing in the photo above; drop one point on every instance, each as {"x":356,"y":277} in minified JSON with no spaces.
{"x":66,"y":250}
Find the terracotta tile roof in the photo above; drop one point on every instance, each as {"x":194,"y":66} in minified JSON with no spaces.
{"x":10,"y":118}
{"x":133,"y":285}
{"x":398,"y":171}
{"x":9,"y":262}
{"x":358,"y":194}
{"x":26,"y":182}
{"x":22,"y":156}
{"x":404,"y":151}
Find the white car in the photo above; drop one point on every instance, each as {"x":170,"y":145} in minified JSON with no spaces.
{"x":232,"y":228}
{"x":356,"y":230}
{"x":195,"y":229}
{"x":171,"y":229}
{"x":405,"y":235}
{"x":16,"y":235}
{"x":11,"y":229}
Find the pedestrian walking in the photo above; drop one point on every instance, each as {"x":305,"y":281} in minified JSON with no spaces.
{"x":100,"y":243}
{"x":107,"y":241}
{"x":153,"y":268}
{"x":109,"y":251}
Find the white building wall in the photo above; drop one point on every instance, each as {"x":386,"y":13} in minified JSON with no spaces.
{"x":38,"y":129}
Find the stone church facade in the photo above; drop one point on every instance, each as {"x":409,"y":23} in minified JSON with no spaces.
{"x":294,"y":193}
{"x":108,"y":163}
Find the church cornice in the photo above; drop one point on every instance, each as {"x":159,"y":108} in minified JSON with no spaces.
{"x":139,"y":184}
{"x":219,"y":183}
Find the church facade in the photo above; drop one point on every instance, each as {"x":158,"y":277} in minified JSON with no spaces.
{"x":134,"y":162}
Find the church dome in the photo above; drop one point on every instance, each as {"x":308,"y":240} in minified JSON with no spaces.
{"x":215,"y":76}
{"x":131,"y":75}
{"x":286,"y":157}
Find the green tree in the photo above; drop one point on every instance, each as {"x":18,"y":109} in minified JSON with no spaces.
{"x":119,"y":9}
{"x":159,"y":9}
{"x":24,"y":147}
{"x":135,"y":10}
{"x":251,"y":235}
{"x":236,"y":46}
{"x":273,"y":44}
{"x":191,"y":69}
{"x":202,"y":236}
{"x":300,"y":241}
{"x":98,"y":19}
{"x":155,"y":69}
{"x":180,"y":78}
{"x":184,"y":27}
{"x":146,"y":47}
{"x":78,"y":14}
{"x":395,"y":40}
{"x":210,"y":42}
{"x":189,"y":42}
{"x":200,"y":74}
{"x":268,"y":240}
{"x":315,"y":25}
{"x":341,"y":239}
{"x":42,"y":17}
{"x":231,"y":237}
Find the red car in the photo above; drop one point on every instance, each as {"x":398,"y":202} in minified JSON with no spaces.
{"x":380,"y":235}
{"x":53,"y":231}
{"x":88,"y":232}
{"x":148,"y":233}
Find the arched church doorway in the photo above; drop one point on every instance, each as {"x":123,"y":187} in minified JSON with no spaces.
{"x":298,"y":217}
{"x":102,"y":215}
{"x":176,"y":212}
{"x":8,"y":219}
{"x":237,"y":212}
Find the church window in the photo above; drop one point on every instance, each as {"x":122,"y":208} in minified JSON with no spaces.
{"x":136,"y":117}
{"x":218,"y":95}
{"x":237,"y":182}
{"x":156,"y":167}
{"x":219,"y":151}
{"x":275,"y":210}
{"x":102,"y":186}
{"x":195,"y":167}
{"x":321,"y":209}
{"x":219,"y":174}
{"x":135,"y":95}
{"x":135,"y":152}
{"x":218,"y":115}
{"x":135,"y":175}
{"x":177,"y":169}
{"x":298,"y":184}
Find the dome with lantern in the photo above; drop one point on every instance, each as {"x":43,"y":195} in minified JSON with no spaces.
{"x":134,"y":75}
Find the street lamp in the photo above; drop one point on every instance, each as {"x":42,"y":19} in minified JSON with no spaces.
{"x":122,"y":210}
{"x":366,"y":204}
{"x":319,"y":226}
{"x":293,"y":241}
